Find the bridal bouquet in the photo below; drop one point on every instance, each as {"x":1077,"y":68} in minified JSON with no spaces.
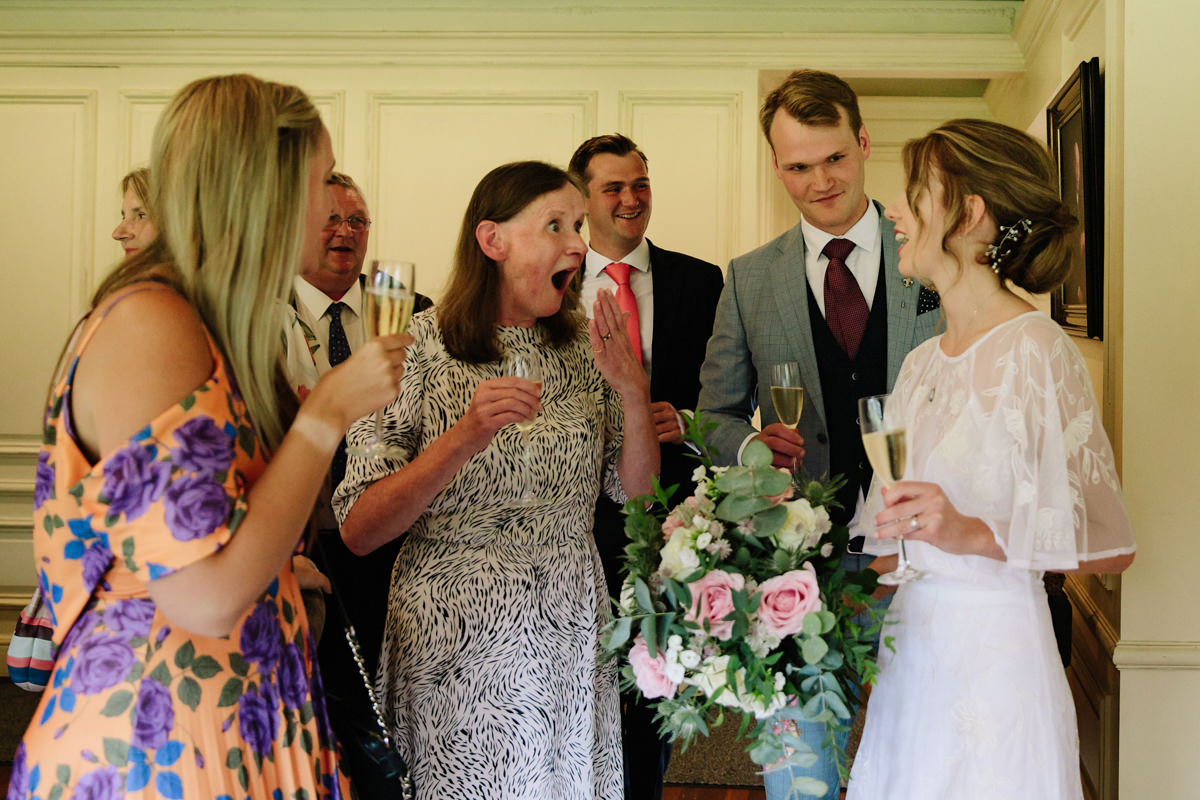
{"x":735,"y":598}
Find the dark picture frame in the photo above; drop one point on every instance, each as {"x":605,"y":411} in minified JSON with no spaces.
{"x":1075,"y":134}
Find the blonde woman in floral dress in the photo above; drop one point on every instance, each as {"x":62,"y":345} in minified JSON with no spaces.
{"x":1009,"y":474}
{"x":174,"y":484}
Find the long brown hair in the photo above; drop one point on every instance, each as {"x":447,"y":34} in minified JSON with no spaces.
{"x":467,"y":313}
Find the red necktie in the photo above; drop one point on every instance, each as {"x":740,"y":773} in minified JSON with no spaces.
{"x":845,"y":308}
{"x":627,"y":302}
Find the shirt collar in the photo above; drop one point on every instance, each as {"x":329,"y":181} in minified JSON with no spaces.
{"x":638,"y":258}
{"x":317,"y":302}
{"x":864,"y":234}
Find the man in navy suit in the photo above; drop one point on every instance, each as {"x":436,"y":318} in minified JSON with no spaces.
{"x":676,"y":299}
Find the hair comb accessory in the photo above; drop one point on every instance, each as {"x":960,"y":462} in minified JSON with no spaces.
{"x":1011,"y":234}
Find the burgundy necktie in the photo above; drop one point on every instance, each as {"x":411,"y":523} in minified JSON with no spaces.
{"x":627,"y":302}
{"x":845,"y":308}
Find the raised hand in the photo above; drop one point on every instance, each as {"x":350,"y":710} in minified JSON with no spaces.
{"x":611,"y":347}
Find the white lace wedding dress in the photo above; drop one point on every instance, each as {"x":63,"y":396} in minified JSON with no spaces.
{"x":973,"y":702}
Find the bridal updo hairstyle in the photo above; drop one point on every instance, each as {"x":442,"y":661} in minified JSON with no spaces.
{"x":1014,"y":175}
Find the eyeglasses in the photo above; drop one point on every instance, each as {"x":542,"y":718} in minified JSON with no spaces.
{"x":356,"y":224}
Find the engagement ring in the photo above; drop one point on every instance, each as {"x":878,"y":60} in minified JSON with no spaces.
{"x":912,"y":523}
{"x":606,"y":337}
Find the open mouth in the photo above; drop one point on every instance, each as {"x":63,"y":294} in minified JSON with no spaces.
{"x":562,"y":277}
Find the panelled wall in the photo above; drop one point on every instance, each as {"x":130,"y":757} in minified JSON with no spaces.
{"x":417,"y":136}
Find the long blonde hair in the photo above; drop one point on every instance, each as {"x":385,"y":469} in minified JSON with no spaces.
{"x":230,"y":161}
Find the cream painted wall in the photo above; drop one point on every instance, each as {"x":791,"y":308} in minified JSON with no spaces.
{"x":1159,"y":655}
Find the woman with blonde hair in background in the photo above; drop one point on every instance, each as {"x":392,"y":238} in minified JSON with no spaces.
{"x":178,"y":474}
{"x":1009,"y":473}
{"x":137,"y":229}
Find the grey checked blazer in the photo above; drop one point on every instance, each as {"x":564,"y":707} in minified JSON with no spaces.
{"x":762,"y":319}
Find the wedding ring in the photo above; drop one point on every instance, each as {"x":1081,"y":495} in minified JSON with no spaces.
{"x":912,"y":523}
{"x":606,"y":336}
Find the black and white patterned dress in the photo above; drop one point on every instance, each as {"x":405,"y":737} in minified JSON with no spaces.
{"x":490,"y":668}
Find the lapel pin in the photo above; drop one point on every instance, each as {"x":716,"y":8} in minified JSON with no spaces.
{"x":908,"y":282}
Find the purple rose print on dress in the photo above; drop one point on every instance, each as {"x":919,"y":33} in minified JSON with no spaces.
{"x":293,"y":681}
{"x":130,"y":617}
{"x":153,"y":715}
{"x":195,"y":506}
{"x":43,"y":488}
{"x":103,"y":784}
{"x":258,"y":718}
{"x":18,"y":782}
{"x":261,"y":635}
{"x":101,"y":663}
{"x":95,"y":563}
{"x":133,"y":480}
{"x":202,"y":446}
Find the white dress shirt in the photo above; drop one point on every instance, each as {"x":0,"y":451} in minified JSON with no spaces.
{"x":863,"y":261}
{"x":312,"y":305}
{"x":641,"y":282}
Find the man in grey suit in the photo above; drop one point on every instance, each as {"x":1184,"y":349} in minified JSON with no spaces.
{"x":825,"y":294}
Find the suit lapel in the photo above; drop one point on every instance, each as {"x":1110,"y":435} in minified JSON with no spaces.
{"x":667,"y":308}
{"x":791,"y":301}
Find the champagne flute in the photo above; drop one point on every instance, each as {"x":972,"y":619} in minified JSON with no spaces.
{"x":886,"y":443}
{"x":388,"y":300}
{"x":787,"y":395}
{"x":527,"y":365}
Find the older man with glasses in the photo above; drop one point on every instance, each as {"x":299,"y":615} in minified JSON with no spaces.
{"x":328,"y":303}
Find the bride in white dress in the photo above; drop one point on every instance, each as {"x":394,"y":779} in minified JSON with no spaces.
{"x":1009,"y":474}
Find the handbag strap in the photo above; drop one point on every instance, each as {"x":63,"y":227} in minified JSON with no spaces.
{"x":355,"y":650}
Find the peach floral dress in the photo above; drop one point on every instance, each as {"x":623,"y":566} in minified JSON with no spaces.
{"x":136,"y":706}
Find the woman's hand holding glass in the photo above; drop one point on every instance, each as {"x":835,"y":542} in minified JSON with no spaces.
{"x":498,"y":402}
{"x":365,"y":382}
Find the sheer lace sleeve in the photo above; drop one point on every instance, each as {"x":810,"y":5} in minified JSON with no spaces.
{"x":1066,"y":504}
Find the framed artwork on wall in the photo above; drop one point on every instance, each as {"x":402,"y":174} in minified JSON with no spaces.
{"x":1075,"y":134}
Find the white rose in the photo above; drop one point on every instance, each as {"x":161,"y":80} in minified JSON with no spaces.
{"x":678,"y":557}
{"x":710,"y":675}
{"x":803,"y":526}
{"x":703,"y":540}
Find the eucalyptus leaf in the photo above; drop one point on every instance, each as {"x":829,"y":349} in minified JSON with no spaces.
{"x":807,"y":785}
{"x":618,"y":634}
{"x":812,"y":623}
{"x":769,"y":520}
{"x":756,"y":454}
{"x":771,"y":481}
{"x":642,"y":592}
{"x":813,"y":649}
{"x":737,"y":507}
{"x":650,"y":634}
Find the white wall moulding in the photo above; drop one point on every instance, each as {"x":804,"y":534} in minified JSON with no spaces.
{"x":48,"y":139}
{"x":427,"y":152}
{"x":697,"y":171}
{"x":1135,"y":655}
{"x":914,"y":55}
{"x":614,"y":16}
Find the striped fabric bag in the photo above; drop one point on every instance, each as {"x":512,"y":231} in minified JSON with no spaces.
{"x":31,"y":652}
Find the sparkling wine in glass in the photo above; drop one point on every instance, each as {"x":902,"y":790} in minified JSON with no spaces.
{"x":388,"y":299}
{"x":527,"y":365}
{"x":787,"y":395}
{"x":886,"y":443}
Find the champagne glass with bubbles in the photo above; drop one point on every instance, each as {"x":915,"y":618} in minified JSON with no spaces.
{"x":886,"y":443}
{"x":388,"y":299}
{"x":787,"y":395}
{"x":527,"y":365}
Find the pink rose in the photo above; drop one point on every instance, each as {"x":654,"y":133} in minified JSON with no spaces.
{"x":651,"y":673}
{"x":712,"y":595}
{"x":786,"y":599}
{"x":669,"y":525}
